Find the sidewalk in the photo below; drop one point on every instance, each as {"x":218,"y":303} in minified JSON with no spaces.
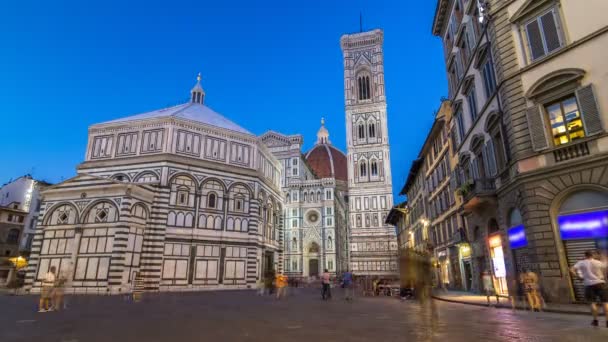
{"x":479,"y":300}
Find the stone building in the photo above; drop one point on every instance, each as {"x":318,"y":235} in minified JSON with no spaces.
{"x":12,"y":220}
{"x":373,"y":243}
{"x":315,"y":191}
{"x":24,"y":191}
{"x":432,"y":220}
{"x":183,"y":195}
{"x":532,"y":145}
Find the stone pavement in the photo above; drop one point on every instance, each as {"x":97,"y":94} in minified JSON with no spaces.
{"x":244,"y":316}
{"x":521,"y":304}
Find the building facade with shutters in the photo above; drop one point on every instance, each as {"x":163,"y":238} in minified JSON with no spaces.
{"x":373,"y":242}
{"x":314,"y":185}
{"x":534,"y":161}
{"x":182,"y":195}
{"x":12,"y":221}
{"x":25,"y":192}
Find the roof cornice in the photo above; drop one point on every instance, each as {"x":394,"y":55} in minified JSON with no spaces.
{"x":441,"y":13}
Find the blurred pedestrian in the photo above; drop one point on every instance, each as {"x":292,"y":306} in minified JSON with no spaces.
{"x":46,"y":293}
{"x":347,"y":284}
{"x":326,"y":285}
{"x":261,"y":287}
{"x":138,"y":287}
{"x":529,"y":281}
{"x":59,"y":291}
{"x":488,"y":286}
{"x":593,"y":273}
{"x":281,"y":283}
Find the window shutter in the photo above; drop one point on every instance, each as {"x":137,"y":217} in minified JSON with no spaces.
{"x":453,"y":180}
{"x":536,"y":125}
{"x":535,"y":40}
{"x":486,"y":160}
{"x":550,"y":31}
{"x":474,"y":172}
{"x":589,"y":109}
{"x":491,"y":158}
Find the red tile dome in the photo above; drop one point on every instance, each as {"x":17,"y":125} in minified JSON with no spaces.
{"x":327,"y":161}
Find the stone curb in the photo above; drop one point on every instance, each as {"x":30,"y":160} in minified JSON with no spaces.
{"x":502,"y":306}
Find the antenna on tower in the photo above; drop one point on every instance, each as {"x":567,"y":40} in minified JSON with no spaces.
{"x":360,"y":21}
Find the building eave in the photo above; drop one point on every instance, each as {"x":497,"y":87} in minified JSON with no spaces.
{"x":440,"y":17}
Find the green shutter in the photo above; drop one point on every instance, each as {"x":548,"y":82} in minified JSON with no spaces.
{"x":589,"y":110}
{"x":536,"y":125}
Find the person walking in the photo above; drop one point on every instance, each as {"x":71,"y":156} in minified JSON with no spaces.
{"x":529,"y":281}
{"x":488,"y":286}
{"x":593,"y":273}
{"x":46,"y":293}
{"x":261,"y":287}
{"x":326,"y":283}
{"x":138,"y":287}
{"x":59,"y":291}
{"x":347,"y":284}
{"x":281,"y":283}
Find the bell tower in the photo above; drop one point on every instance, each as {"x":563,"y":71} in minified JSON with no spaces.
{"x":373,"y":243}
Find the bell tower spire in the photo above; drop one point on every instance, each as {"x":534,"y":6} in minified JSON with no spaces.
{"x":197,"y":93}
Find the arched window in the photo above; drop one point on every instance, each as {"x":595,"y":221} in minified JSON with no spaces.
{"x":361,"y":131}
{"x":374,"y":168}
{"x":363,"y":169}
{"x":13,"y":237}
{"x":372,"y":130}
{"x":211,"y":201}
{"x":364,"y":88}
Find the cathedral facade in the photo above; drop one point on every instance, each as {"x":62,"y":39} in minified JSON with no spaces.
{"x":182,"y":195}
{"x":315,"y":189}
{"x":373,"y":242}
{"x":189,"y":200}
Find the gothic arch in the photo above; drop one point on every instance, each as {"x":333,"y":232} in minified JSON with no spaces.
{"x":75,"y":219}
{"x":140,"y":210}
{"x":89,"y":217}
{"x":144,"y":174}
{"x":183,"y":174}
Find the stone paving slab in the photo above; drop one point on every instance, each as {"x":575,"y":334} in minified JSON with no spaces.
{"x":244,"y":316}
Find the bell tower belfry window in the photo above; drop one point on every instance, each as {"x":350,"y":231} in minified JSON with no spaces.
{"x":197,"y":93}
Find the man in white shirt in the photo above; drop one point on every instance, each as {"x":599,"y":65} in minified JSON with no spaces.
{"x":593,"y":272}
{"x":46,"y":293}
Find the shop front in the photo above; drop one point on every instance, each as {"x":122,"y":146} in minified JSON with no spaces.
{"x":443,"y":265}
{"x":499,"y":271}
{"x":466,"y":266}
{"x":582,"y":221}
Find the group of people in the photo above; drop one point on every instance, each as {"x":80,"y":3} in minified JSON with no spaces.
{"x":346,"y":283}
{"x":279,"y":283}
{"x":52,"y":292}
{"x":592,"y":270}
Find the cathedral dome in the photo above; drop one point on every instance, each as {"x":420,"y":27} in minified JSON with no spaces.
{"x":325,"y":160}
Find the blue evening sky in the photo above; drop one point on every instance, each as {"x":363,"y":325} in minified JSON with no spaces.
{"x":65,"y":65}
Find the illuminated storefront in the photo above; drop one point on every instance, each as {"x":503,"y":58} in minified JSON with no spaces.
{"x":499,"y":271}
{"x":582,"y":223}
{"x":466,"y":267}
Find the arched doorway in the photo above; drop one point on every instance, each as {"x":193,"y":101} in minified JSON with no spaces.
{"x":313,"y":259}
{"x":582,"y":224}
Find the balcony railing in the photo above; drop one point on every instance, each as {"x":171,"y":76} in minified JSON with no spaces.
{"x":571,"y":151}
{"x":478,"y":192}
